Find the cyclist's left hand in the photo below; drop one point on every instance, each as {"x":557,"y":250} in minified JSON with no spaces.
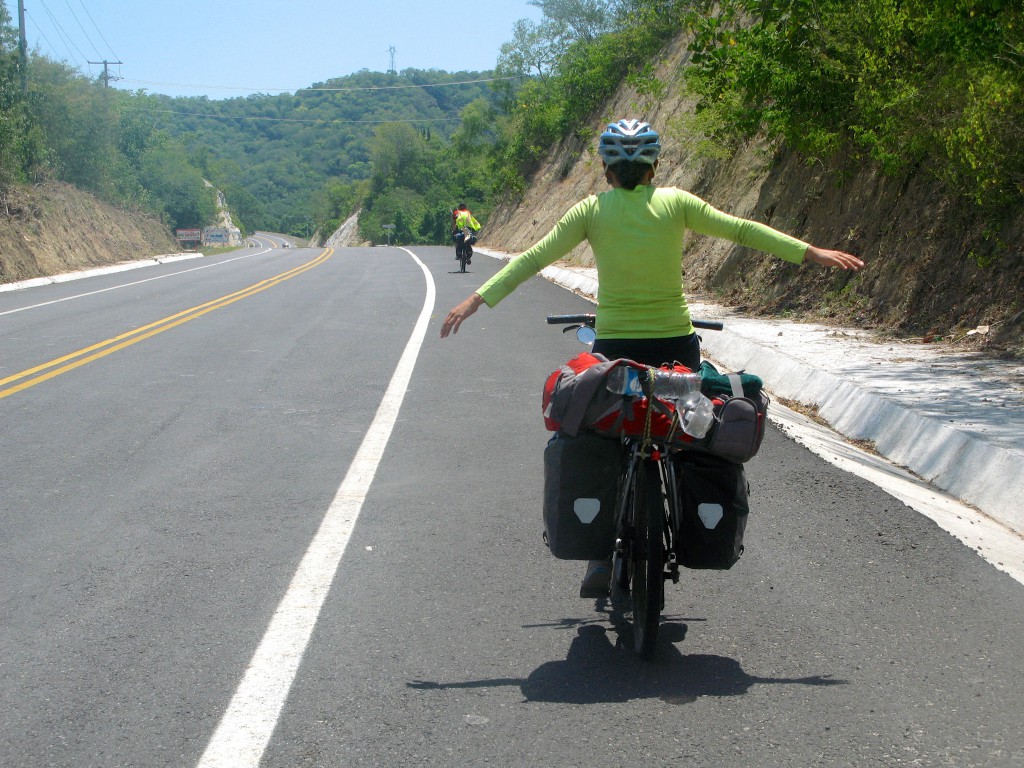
{"x":459,"y":313}
{"x":838,"y":259}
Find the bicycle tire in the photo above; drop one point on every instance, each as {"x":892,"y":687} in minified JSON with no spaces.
{"x":647,"y":558}
{"x":463,"y":257}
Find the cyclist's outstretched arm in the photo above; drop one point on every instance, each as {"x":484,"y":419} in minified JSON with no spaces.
{"x":459,"y":313}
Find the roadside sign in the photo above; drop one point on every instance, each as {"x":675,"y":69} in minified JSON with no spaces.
{"x":216,"y":235}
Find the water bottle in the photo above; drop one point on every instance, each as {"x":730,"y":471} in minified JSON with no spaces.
{"x":696,"y":414}
{"x":668,"y":385}
{"x":674,"y":385}
{"x":624,"y":380}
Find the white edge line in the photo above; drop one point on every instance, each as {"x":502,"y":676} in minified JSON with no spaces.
{"x":123,"y":285}
{"x":67,"y":277}
{"x":246,"y":727}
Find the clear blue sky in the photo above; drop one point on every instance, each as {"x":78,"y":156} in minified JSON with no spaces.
{"x":227,"y":48}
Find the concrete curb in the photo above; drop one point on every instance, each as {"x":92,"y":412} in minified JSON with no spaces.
{"x":123,"y":267}
{"x":574,"y":281}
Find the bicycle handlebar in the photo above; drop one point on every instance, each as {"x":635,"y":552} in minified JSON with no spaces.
{"x":569,"y":319}
{"x":588,"y":319}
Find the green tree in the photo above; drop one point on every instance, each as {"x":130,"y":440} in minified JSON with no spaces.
{"x":599,"y":43}
{"x":333,"y":204}
{"x":580,"y":19}
{"x":903,"y":82}
{"x":398,"y":155}
{"x":185,"y":199}
{"x":12,"y":127}
{"x":22,"y":146}
{"x":533,"y":50}
{"x":435,"y":226}
{"x":398,"y":205}
{"x":465,"y":161}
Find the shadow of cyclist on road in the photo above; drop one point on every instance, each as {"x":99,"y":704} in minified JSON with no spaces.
{"x":596,"y":671}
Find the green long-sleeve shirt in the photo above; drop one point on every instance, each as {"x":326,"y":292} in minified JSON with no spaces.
{"x":637,"y":239}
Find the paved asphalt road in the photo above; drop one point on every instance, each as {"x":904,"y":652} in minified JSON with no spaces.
{"x":158,"y":498}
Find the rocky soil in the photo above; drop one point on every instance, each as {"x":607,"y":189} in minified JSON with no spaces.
{"x":54,"y":228}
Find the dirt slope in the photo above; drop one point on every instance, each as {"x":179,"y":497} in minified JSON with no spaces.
{"x":922,"y":246}
{"x":56,"y":228}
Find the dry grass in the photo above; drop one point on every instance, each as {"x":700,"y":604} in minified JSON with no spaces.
{"x":812,"y":413}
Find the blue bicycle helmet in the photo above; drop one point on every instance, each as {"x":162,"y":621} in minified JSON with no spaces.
{"x":629,"y":140}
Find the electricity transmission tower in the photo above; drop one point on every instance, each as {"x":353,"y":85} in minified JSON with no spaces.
{"x":392,"y":71}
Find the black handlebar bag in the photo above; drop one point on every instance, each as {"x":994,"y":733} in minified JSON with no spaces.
{"x":713,"y":511}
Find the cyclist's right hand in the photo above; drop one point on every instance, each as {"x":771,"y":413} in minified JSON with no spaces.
{"x":459,"y":313}
{"x":828,"y":258}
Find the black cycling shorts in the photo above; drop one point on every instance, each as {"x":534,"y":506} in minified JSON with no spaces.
{"x":654,"y":352}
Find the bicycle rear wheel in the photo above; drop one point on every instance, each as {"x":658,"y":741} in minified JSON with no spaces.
{"x":647,"y":557}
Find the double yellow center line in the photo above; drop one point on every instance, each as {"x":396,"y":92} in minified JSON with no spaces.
{"x":46,"y":371}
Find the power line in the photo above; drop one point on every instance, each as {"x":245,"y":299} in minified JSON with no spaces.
{"x":314,"y":89}
{"x":77,"y":21}
{"x":69,"y":42}
{"x":291,"y":119}
{"x":65,"y":38}
{"x":98,"y":31}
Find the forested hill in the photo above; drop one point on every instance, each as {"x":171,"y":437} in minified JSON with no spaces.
{"x":277,"y":157}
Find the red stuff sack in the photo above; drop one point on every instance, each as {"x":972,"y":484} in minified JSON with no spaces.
{"x":576,"y":397}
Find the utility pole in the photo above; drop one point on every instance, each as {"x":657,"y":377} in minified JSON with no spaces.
{"x":22,"y":47}
{"x":106,"y":71}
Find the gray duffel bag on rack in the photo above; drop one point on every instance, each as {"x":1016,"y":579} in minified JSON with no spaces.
{"x":741,"y":409}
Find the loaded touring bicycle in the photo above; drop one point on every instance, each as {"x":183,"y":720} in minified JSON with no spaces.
{"x":646,"y":466}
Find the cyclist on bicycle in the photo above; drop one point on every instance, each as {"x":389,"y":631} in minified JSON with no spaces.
{"x":464,"y":221}
{"x":636,"y":232}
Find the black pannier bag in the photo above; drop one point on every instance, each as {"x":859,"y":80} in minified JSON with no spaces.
{"x":581,"y":486}
{"x":713,"y":507}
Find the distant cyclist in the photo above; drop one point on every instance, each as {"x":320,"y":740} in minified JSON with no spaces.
{"x":465,"y":225}
{"x":636,"y":232}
